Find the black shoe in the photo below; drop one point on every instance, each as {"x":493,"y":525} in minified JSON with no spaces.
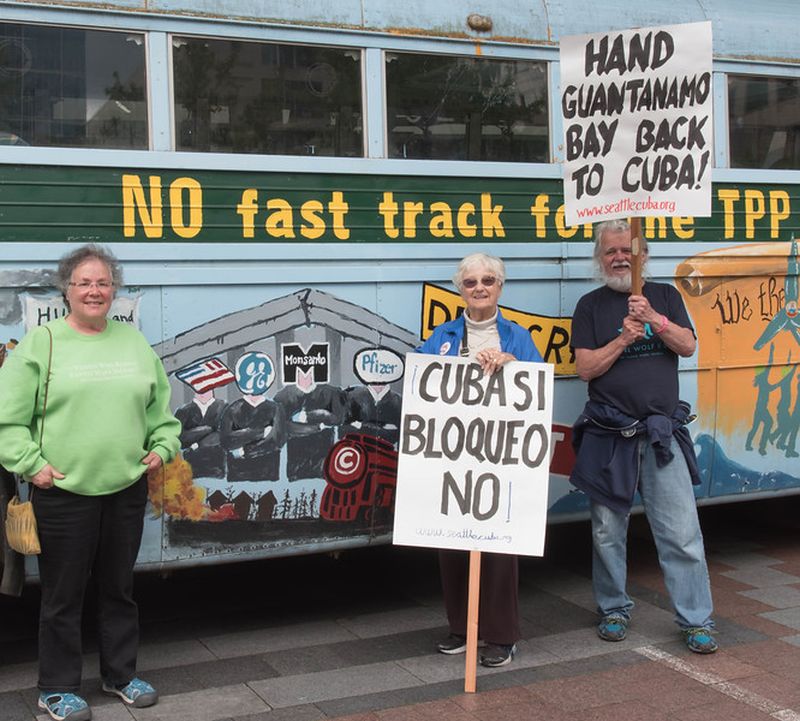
{"x":453,"y":644}
{"x":497,"y":654}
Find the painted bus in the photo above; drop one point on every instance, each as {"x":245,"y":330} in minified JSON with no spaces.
{"x":289,"y":188}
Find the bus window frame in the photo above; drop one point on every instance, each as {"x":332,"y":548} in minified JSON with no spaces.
{"x":99,"y":29}
{"x":158,"y":31}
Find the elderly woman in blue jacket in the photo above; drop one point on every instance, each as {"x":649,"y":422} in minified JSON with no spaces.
{"x":484,"y":335}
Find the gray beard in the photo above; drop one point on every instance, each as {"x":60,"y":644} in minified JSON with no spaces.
{"x":621,"y":284}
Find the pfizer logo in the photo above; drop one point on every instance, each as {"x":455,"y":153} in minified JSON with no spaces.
{"x":375,"y":366}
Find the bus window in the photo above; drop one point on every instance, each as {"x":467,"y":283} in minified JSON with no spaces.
{"x":77,"y":88}
{"x":249,"y":97}
{"x":764,"y":117}
{"x":463,"y":108}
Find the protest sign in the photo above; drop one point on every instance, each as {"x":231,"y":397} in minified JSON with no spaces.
{"x":40,"y":309}
{"x":637,"y":123}
{"x":474,"y":456}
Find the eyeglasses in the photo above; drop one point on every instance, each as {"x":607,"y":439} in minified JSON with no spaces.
{"x":487,"y":282}
{"x":86,"y":285}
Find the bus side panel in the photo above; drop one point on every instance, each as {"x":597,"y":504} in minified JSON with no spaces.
{"x":286,"y":359}
{"x":744,"y":302}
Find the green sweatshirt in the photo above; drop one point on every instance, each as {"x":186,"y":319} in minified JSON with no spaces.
{"x":107,"y":407}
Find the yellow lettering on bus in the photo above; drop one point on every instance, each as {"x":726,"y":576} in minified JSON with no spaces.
{"x":540,"y":210}
{"x":133,"y":198}
{"x":490,"y":218}
{"x":411,"y":212}
{"x":753,"y":210}
{"x":338,"y":209}
{"x":728,"y":197}
{"x":564,"y":230}
{"x":280,"y":223}
{"x":780,"y":207}
{"x":195,"y":192}
{"x":465,"y":227}
{"x":655,"y":227}
{"x":388,"y":209}
{"x":310,"y":211}
{"x":248,"y":209}
{"x":441,"y":225}
{"x":677,"y":227}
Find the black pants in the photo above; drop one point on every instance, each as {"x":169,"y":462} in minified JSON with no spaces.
{"x":498,"y":615}
{"x":83,"y":536}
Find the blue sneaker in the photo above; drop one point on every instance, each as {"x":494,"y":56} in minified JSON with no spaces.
{"x":700,"y":640}
{"x":613,"y":628}
{"x":136,"y":693}
{"x":63,"y":706}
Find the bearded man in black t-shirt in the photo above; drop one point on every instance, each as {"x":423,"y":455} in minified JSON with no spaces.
{"x":627,"y":347}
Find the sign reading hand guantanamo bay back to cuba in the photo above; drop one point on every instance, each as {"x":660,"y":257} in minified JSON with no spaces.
{"x":637,"y":122}
{"x":474,"y":455}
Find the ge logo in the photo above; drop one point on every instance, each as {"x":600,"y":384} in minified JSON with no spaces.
{"x":255,"y":373}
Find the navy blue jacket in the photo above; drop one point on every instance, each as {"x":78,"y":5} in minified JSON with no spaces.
{"x":606,"y":443}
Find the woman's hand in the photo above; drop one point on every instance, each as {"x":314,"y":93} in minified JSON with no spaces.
{"x":491,"y":360}
{"x":152,"y":460}
{"x":44,"y":478}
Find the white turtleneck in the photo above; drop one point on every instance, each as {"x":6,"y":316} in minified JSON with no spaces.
{"x":481,"y":334}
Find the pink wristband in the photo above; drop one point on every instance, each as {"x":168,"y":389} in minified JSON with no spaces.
{"x":664,"y":324}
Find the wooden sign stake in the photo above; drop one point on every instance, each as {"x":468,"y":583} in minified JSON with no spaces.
{"x":471,"y":669}
{"x":636,"y":256}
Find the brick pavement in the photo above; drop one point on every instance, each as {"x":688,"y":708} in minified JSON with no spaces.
{"x":245,"y":656}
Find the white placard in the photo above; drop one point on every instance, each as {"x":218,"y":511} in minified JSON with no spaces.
{"x":638,"y":128}
{"x":474,"y":456}
{"x":38,"y":310}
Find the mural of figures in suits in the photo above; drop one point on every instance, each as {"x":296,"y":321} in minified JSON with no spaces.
{"x":253,"y":428}
{"x":314,"y":408}
{"x":374,"y":408}
{"x":200,"y":418}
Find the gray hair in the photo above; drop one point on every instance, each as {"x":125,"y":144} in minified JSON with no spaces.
{"x":493,"y":265}
{"x":91,"y":251}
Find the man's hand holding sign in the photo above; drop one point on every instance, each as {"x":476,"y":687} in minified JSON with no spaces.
{"x":473,"y":462}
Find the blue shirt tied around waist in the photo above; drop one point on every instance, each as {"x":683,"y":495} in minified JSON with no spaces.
{"x":606,"y":443}
{"x":446,"y":339}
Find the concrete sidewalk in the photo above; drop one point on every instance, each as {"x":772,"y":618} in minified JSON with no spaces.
{"x":369,"y":657}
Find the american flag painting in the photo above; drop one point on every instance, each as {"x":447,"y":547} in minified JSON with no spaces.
{"x":205,"y":375}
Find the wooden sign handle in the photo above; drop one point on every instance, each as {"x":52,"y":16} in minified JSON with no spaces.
{"x":636,"y":256}
{"x":471,"y":669}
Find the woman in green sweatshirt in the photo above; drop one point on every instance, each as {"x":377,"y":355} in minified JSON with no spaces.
{"x":106,"y":423}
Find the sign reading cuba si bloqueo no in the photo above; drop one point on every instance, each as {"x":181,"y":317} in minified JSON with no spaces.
{"x":474,"y":456}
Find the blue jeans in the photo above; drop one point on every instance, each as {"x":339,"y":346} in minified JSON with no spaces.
{"x":671,"y":510}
